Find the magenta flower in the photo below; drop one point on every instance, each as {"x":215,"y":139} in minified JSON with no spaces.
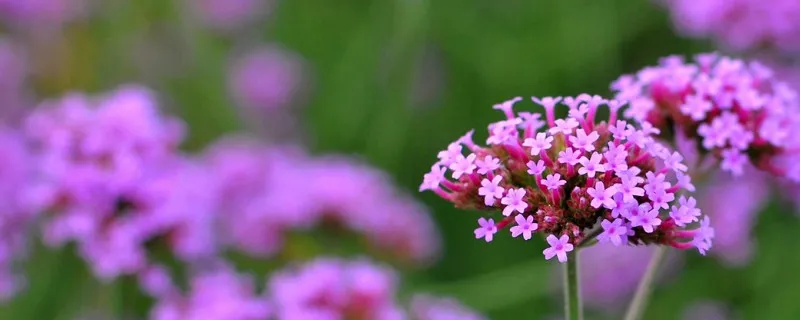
{"x":486,"y":229}
{"x":514,"y":201}
{"x":625,"y":176}
{"x":558,"y":247}
{"x":491,"y":190}
{"x":614,"y":232}
{"x":525,"y":227}
{"x":229,"y":15}
{"x":487,"y":164}
{"x":737,"y":111}
{"x":266,"y":78}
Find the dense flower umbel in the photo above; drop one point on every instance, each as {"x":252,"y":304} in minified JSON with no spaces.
{"x":108,"y":177}
{"x":740,"y":24}
{"x":267,"y":192}
{"x":734,"y":110}
{"x":563,"y":176}
{"x":328,"y":288}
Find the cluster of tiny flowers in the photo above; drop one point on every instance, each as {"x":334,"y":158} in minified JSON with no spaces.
{"x":561,"y":177}
{"x":265,"y":78}
{"x":330,"y":288}
{"x":267,"y":192}
{"x":736,"y":111}
{"x":220,"y":294}
{"x":107,"y":176}
{"x":15,"y":217}
{"x":740,"y":24}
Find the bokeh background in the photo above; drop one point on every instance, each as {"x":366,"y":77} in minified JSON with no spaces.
{"x":392,"y":82}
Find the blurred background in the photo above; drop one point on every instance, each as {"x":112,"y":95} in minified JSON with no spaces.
{"x":388,"y":83}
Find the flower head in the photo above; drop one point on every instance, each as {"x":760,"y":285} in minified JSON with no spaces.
{"x":737,"y":111}
{"x":576,"y":175}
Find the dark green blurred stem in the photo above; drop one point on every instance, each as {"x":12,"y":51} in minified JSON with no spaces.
{"x":590,"y":238}
{"x":573,"y":309}
{"x":642,"y":295}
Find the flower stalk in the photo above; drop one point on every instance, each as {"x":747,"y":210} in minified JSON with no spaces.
{"x":573,"y":307}
{"x":642,"y":295}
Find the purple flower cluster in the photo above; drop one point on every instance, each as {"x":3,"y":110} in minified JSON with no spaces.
{"x":14,"y":68}
{"x":38,"y":13}
{"x":267,"y":192}
{"x":571,"y":175}
{"x":740,"y":24}
{"x":108,"y":177}
{"x":213,"y":295}
{"x":736,"y":111}
{"x":265,"y":78}
{"x":16,"y":219}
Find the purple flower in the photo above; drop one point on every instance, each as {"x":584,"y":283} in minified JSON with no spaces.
{"x":525,"y":227}
{"x":219,"y":294}
{"x":558,"y":247}
{"x":514,"y":201}
{"x":335,"y":288}
{"x":486,"y":229}
{"x":591,"y":166}
{"x":647,"y":219}
{"x":626,"y":175}
{"x":686,"y":213}
{"x":463,"y":165}
{"x":704,"y":235}
{"x":541,"y":143}
{"x":738,"y":111}
{"x":488,"y":164}
{"x":583,"y":141}
{"x":46,"y":14}
{"x":553,"y":182}
{"x":266,"y":78}
{"x":614,"y":232}
{"x":491,"y":190}
{"x":602,"y":196}
{"x":17,"y":218}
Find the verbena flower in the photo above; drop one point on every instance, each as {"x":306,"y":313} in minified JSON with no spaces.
{"x":268,"y":192}
{"x":328,"y":288}
{"x":16,"y":218}
{"x":266,"y":78}
{"x":743,"y":25}
{"x":41,"y":13}
{"x":570,"y":175}
{"x":109,"y":178}
{"x":736,"y":111}
{"x":426,"y":307}
{"x":219,"y":294}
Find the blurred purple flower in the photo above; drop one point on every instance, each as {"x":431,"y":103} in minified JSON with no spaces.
{"x":41,"y":13}
{"x":740,"y":24}
{"x":230,"y":15}
{"x":13,"y":65}
{"x":609,"y":274}
{"x":735,"y":203}
{"x":425,"y":307}
{"x":265,"y":78}
{"x":221,"y":294}
{"x":15,"y":217}
{"x":335,"y":289}
{"x":110,"y":178}
{"x":267,"y":192}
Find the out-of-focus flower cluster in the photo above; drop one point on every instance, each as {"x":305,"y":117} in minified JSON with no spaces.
{"x":571,"y":175}
{"x":740,"y":24}
{"x":736,"y":111}
{"x":267,"y":192}
{"x":41,"y":13}
{"x":325,"y":288}
{"x":16,"y":217}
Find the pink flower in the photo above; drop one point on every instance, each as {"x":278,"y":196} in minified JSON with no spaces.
{"x":553,"y":182}
{"x":491,"y":190}
{"x":559,"y":246}
{"x":486,"y":229}
{"x":583,"y":141}
{"x":463,"y":165}
{"x":602,"y":196}
{"x":488,"y":164}
{"x":525,"y":227}
{"x":614,"y":232}
{"x":514,"y":201}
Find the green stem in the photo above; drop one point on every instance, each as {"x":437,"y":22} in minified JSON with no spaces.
{"x":572,"y":291}
{"x":640,"y":298}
